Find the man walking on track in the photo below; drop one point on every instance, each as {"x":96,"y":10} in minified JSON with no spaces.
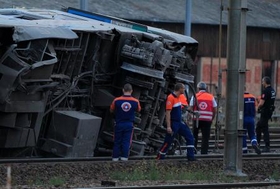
{"x":174,"y":124}
{"x":207,"y":108}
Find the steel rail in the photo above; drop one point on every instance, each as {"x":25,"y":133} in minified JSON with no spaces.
{"x":205,"y":186}
{"x":267,"y":156}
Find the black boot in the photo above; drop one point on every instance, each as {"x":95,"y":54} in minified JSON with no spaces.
{"x":257,"y":149}
{"x":266,"y":149}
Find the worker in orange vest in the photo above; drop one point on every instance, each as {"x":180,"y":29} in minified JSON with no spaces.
{"x":207,"y":108}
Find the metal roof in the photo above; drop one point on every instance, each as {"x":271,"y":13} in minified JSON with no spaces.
{"x":262,"y":13}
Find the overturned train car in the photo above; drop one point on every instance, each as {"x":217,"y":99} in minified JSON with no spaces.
{"x":60,"y":71}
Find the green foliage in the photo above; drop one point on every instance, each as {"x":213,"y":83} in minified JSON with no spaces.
{"x":152,"y":171}
{"x":37,"y":182}
{"x":145,"y":172}
{"x":230,"y":179}
{"x":56,"y":181}
{"x":276,"y":175}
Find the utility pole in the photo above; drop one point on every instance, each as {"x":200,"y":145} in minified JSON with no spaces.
{"x":188,"y":21}
{"x":84,"y":5}
{"x":236,"y":69}
{"x":219,"y":87}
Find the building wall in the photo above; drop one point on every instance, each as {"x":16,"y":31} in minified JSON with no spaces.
{"x":209,"y":71}
{"x":262,"y":43}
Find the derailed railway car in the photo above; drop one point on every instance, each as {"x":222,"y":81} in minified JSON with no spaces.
{"x":60,"y":71}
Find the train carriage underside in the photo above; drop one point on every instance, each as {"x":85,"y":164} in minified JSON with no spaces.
{"x":58,"y":79}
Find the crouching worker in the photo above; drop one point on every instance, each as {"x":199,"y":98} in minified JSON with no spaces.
{"x":175,"y":125}
{"x":124,"y":108}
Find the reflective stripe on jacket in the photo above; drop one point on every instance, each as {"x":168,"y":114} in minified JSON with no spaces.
{"x":205,"y":104}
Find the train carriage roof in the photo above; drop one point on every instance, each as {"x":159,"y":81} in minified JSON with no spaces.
{"x":30,"y":23}
{"x":262,"y":13}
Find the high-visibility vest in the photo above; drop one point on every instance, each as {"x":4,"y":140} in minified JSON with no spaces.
{"x":205,"y":106}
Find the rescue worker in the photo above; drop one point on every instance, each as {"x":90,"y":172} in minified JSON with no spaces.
{"x":175,"y":125}
{"x":207,"y":108}
{"x":249,"y":122}
{"x":185,"y":104}
{"x":258,"y":99}
{"x":183,"y":100}
{"x":265,"y":108}
{"x":124,"y":108}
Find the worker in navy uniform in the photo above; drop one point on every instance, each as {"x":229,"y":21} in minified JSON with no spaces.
{"x":124,"y":108}
{"x":265,"y":108}
{"x":249,"y":122}
{"x":174,"y":124}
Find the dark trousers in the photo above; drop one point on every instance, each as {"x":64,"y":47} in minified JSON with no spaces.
{"x":183,"y":130}
{"x":249,"y":126}
{"x":262,"y":127}
{"x":205,"y":127}
{"x":122,"y":140}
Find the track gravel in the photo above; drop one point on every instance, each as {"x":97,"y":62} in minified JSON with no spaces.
{"x":91,"y":174}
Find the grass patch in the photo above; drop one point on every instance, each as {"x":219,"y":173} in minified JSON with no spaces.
{"x":34,"y":182}
{"x":39,"y":182}
{"x":275,"y":175}
{"x":231,"y":179}
{"x":153,"y":172}
{"x":135,"y":175}
{"x":56,"y":181}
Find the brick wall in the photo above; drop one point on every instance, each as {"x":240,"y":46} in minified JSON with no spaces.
{"x":209,"y":69}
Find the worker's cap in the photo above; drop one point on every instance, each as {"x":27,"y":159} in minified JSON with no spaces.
{"x":201,"y":85}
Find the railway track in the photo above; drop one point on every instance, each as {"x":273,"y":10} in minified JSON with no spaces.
{"x":204,"y":186}
{"x":95,"y":170}
{"x":217,"y":145}
{"x":264,"y":156}
{"x":215,"y":152}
